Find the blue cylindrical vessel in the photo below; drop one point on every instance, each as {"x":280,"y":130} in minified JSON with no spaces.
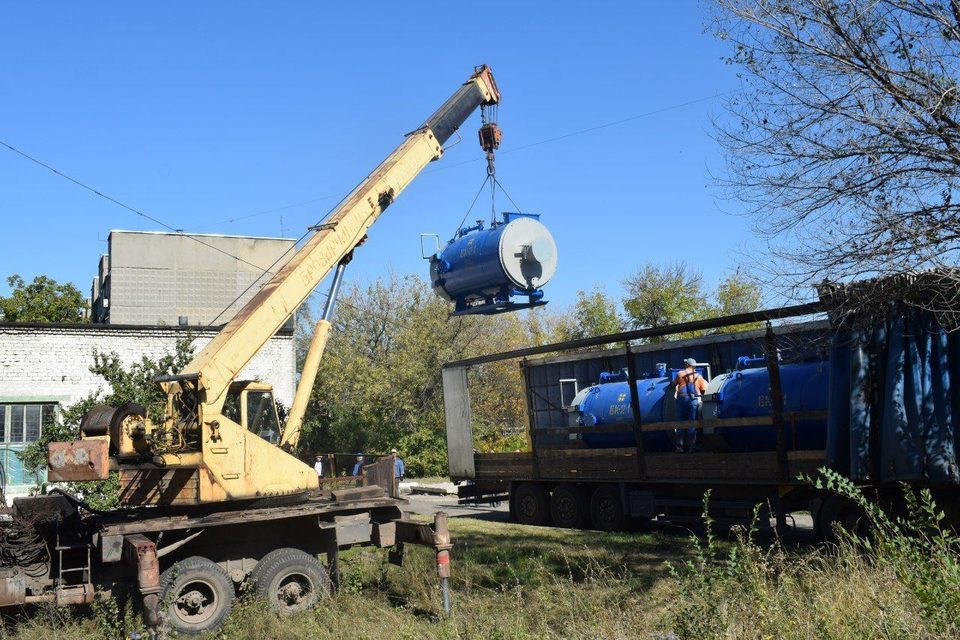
{"x":609,"y":403}
{"x":738,"y":394}
{"x":482,"y":269}
{"x":746,"y":393}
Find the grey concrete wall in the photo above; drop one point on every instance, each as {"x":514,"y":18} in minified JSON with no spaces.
{"x":154,"y":278}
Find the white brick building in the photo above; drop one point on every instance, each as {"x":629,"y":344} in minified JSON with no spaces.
{"x":153,"y":282}
{"x":44,"y":366}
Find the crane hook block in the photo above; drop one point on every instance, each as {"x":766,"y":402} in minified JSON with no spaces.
{"x":490,"y":137}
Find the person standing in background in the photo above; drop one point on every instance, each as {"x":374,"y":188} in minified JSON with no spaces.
{"x":688,"y":389}
{"x":399,"y":469}
{"x":318,"y":466}
{"x":358,"y":467}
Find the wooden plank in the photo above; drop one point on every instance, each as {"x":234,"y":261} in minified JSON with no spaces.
{"x":621,"y":464}
{"x":714,"y":423}
{"x":168,"y":487}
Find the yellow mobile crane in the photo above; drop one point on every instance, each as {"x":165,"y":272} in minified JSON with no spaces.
{"x":206,"y":448}
{"x":211,"y":502}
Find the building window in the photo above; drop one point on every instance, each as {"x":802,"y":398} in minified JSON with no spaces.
{"x":568,"y":391}
{"x":23,"y":423}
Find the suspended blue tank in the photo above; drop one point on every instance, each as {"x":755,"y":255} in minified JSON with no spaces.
{"x":738,"y":394}
{"x":482,"y":270}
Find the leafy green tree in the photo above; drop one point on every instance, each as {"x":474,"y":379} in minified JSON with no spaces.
{"x":43,"y":300}
{"x":593,"y":314}
{"x":135,"y":383}
{"x":660,"y":296}
{"x":738,"y":293}
{"x":379,"y":384}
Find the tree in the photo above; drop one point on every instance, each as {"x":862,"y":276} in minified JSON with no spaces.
{"x":43,"y":300}
{"x":845,"y":142}
{"x":737,"y":294}
{"x":593,"y":314}
{"x":379,"y":383}
{"x":660,"y":296}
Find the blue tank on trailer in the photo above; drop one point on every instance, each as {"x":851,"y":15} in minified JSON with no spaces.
{"x":608,"y":403}
{"x":482,"y":270}
{"x":745,"y":393}
{"x":738,"y":394}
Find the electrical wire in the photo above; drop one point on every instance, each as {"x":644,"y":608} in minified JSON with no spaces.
{"x":598,"y":127}
{"x":494,"y":183}
{"x":536,"y":143}
{"x":147,"y":216}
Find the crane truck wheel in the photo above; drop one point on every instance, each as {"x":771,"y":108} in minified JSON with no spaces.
{"x":198,"y":596}
{"x":530,"y":504}
{"x":606,"y":509}
{"x":569,"y":507}
{"x":290,"y":580}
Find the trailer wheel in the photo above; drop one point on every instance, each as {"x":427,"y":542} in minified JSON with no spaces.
{"x":200,"y":596}
{"x":569,"y":507}
{"x":606,"y":509}
{"x":290,"y":580}
{"x":530,"y":504}
{"x":835,"y":512}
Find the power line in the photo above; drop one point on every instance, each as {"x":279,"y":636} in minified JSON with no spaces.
{"x":146,"y":216}
{"x":163,"y":224}
{"x":537,"y":143}
{"x":598,"y":127}
{"x":278,"y":209}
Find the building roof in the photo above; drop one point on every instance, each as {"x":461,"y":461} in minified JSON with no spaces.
{"x":102,"y":326}
{"x":203,"y":235}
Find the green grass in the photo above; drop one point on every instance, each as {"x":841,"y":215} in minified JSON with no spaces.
{"x":515,"y":582}
{"x":508,"y":581}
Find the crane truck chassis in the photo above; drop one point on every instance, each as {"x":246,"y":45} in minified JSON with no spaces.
{"x":211,"y":494}
{"x":186,"y":565}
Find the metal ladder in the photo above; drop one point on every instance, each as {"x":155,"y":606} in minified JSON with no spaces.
{"x":83,"y":568}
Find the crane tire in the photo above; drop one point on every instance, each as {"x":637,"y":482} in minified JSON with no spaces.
{"x":290,"y":580}
{"x":197,"y":595}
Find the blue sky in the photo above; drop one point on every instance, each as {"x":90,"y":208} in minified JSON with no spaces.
{"x":203,"y":113}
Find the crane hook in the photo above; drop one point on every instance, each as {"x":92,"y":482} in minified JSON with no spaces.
{"x":490,"y":137}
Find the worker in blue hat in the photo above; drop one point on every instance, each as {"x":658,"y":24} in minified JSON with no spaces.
{"x":688,"y":389}
{"x":358,"y":467}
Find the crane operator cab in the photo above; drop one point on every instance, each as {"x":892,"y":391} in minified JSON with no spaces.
{"x":251,"y":404}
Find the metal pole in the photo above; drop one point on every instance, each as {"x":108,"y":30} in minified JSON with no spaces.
{"x":311,"y":363}
{"x":335,"y":289}
{"x":776,"y":401}
{"x":443,"y":546}
{"x":635,"y":408}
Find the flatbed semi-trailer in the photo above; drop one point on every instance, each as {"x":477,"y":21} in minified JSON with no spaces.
{"x":565,"y":481}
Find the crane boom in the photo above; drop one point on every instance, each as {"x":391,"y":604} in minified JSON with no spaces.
{"x":218,"y":364}
{"x":218,"y":438}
